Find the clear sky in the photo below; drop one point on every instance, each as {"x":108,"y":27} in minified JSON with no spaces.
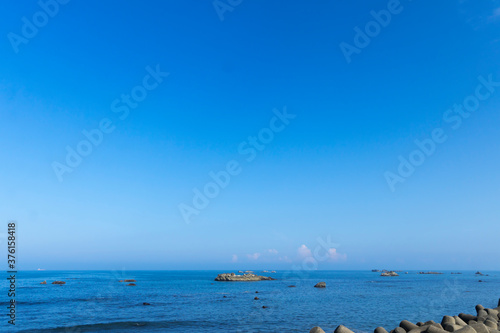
{"x":307,"y":108}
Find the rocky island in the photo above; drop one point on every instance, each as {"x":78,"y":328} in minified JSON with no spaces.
{"x":249,"y":277}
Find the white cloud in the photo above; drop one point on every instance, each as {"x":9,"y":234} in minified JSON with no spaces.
{"x":333,"y":255}
{"x":273,"y":251}
{"x":234,"y":258}
{"x":254,"y":256}
{"x":304,"y":252}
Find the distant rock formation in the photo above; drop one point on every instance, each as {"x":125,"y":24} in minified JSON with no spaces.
{"x":58,"y":282}
{"x":231,"y":277}
{"x":131,"y":280}
{"x":390,"y":273}
{"x":131,"y":284}
{"x":429,"y":273}
{"x":44,"y":282}
{"x":320,"y":285}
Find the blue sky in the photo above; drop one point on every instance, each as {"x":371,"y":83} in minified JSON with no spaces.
{"x":321,"y":176}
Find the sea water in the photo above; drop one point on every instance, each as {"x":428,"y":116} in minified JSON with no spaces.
{"x":191,"y":301}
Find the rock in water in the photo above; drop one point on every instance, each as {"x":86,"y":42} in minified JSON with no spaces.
{"x":399,"y":330}
{"x":491,"y":323}
{"x":451,"y":327}
{"x":448,"y":320}
{"x":321,"y":285}
{"x":145,"y":303}
{"x":480,"y":328}
{"x":316,"y":329}
{"x":342,"y":329}
{"x":58,"y":282}
{"x":466,"y":329}
{"x":131,"y":284}
{"x":44,"y":282}
{"x":231,"y":277}
{"x":407,"y":326}
{"x":435,"y":329}
{"x":467,"y":317}
{"x":459,"y":321}
{"x":380,"y":330}
{"x":391,"y":273}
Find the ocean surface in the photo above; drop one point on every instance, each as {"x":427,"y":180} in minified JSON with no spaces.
{"x":191,"y":301}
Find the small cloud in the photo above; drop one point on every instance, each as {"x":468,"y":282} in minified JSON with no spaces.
{"x":273,"y":251}
{"x":254,"y":256}
{"x":234,"y":258}
{"x":333,"y":255}
{"x":304,"y":252}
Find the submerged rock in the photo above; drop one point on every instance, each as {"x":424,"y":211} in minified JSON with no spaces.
{"x":131,"y":284}
{"x":320,"y":285}
{"x":231,"y":277}
{"x":44,"y":282}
